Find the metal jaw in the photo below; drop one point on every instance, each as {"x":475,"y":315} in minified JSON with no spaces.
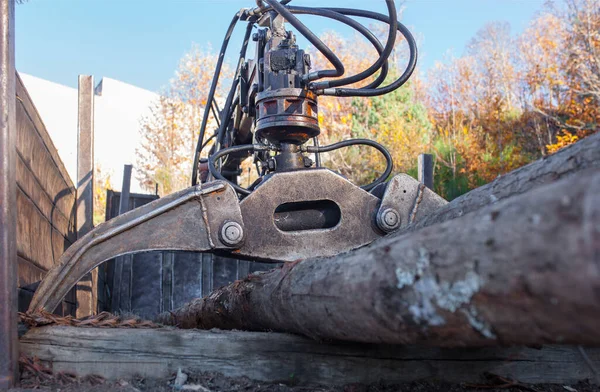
{"x":290,"y":216}
{"x":405,"y":201}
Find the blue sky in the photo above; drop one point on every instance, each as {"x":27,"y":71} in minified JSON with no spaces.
{"x":141,"y":41}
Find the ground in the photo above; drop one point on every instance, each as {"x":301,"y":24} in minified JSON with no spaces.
{"x":215,"y":382}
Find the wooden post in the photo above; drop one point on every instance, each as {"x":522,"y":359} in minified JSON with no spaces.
{"x":125,"y":190}
{"x":425,"y":175}
{"x":8,"y":199}
{"x":87,"y":287}
{"x":122,"y":274}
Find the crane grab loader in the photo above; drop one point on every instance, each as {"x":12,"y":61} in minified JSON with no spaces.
{"x":297,"y":208}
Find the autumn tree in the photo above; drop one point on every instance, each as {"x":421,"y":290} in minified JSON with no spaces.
{"x":506,"y":101}
{"x":581,"y":116}
{"x":102,"y":183}
{"x":583,"y":43}
{"x":170,"y":131}
{"x":163,"y":158}
{"x":451,"y":107}
{"x":544,"y":81}
{"x":396,"y":120}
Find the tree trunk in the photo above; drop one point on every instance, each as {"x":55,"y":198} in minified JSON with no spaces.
{"x":522,"y":271}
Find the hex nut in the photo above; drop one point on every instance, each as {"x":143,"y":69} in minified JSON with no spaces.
{"x":231,"y":233}
{"x":388,"y":219}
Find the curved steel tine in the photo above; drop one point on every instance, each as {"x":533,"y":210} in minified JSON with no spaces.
{"x":180,"y":221}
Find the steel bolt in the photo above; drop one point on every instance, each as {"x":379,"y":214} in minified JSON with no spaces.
{"x":232,"y":233}
{"x":388,"y":219}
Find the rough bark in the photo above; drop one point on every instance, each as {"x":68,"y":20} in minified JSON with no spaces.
{"x":525,"y":270}
{"x":579,"y":156}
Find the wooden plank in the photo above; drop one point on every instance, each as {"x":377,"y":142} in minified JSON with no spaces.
{"x":34,"y":241}
{"x":34,"y":190}
{"x":38,"y":158}
{"x":29,"y":273}
{"x":272,"y":357}
{"x":37,"y":240}
{"x":25,"y":99}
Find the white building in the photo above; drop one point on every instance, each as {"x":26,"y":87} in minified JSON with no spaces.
{"x":118,"y":109}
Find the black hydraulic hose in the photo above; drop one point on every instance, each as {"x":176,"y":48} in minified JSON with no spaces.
{"x":216,"y":112}
{"x":313,"y":39}
{"x":221,"y":131}
{"x":208,"y":141}
{"x":371,"y":92}
{"x":228,"y":110}
{"x":211,"y":95}
{"x":310,"y":149}
{"x":383,"y":57}
{"x":381,"y":62}
{"x":365,"y":142}
{"x":226,"y":151}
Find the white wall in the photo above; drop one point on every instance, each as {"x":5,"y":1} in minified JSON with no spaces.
{"x":118,"y":109}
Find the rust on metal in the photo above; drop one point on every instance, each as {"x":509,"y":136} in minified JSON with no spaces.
{"x":413,"y":215}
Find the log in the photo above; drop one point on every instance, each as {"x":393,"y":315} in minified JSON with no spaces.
{"x":525,"y":270}
{"x":572,"y":159}
{"x":274,"y":357}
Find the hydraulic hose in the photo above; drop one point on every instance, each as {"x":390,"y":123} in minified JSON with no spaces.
{"x":381,"y":61}
{"x":313,"y":39}
{"x":371,"y":92}
{"x":228,"y":109}
{"x":211,"y":95}
{"x":365,"y":142}
{"x":226,"y":151}
{"x":310,"y":149}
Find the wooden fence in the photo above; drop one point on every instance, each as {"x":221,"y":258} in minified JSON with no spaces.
{"x":45,"y":202}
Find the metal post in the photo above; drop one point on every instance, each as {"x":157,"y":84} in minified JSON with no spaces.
{"x":87,"y":287}
{"x":425,"y":169}
{"x":8,"y":199}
